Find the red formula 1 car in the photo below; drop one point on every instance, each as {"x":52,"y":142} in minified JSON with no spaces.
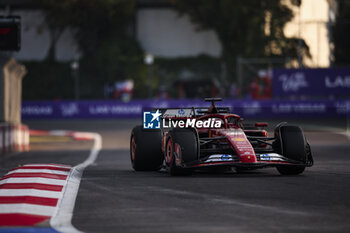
{"x":198,"y":138}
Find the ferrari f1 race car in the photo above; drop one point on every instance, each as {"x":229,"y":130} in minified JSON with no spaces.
{"x":187,"y":139}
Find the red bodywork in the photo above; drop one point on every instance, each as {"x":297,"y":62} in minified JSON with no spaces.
{"x":234,"y":135}
{"x":232,"y":132}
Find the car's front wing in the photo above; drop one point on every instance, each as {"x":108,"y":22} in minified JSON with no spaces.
{"x":263,"y":160}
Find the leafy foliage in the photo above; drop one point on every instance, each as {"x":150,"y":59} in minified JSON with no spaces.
{"x":91,"y":20}
{"x":341,"y":34}
{"x":56,"y":24}
{"x":245,"y":28}
{"x":48,"y":80}
{"x":116,"y":58}
{"x":101,"y":30}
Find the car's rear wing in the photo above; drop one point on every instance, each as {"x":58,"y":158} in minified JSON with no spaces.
{"x":189,"y":112}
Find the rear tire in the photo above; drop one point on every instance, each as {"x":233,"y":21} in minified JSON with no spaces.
{"x":292,"y":144}
{"x":145,"y":149}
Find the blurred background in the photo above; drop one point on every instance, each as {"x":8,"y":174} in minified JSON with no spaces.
{"x":95,"y":65}
{"x":113,"y":57}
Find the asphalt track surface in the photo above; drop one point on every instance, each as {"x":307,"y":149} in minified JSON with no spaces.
{"x":114,"y":198}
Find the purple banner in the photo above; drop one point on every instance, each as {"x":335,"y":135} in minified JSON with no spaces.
{"x":133,"y":109}
{"x":311,"y":82}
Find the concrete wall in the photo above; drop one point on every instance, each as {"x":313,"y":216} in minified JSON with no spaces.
{"x":163,"y":33}
{"x":314,"y":19}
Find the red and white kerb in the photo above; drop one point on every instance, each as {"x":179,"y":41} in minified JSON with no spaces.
{"x":30,"y":194}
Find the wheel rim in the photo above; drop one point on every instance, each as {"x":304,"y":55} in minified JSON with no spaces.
{"x":169,"y":151}
{"x":133,"y":148}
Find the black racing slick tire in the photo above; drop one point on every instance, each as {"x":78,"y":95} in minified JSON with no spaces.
{"x":145,"y":149}
{"x":293,"y":146}
{"x":182,"y":145}
{"x":188,"y":140}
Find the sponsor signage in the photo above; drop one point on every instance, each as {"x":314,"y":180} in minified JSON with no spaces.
{"x":137,"y":109}
{"x":311,"y":82}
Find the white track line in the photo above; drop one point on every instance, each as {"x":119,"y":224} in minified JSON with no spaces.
{"x":46,"y":165}
{"x":30,"y":192}
{"x":62,"y":218}
{"x":38,"y":171}
{"x":347,"y":134}
{"x":60,"y":133}
{"x":33,"y":180}
{"x":27,"y":209}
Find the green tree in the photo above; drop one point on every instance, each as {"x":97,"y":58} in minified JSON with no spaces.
{"x":245,"y":28}
{"x":341,"y":34}
{"x":92,"y":21}
{"x":101,"y":30}
{"x":54,"y":22}
{"x":116,"y":58}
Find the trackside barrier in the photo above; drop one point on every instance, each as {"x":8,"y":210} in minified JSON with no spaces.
{"x":13,"y":137}
{"x":133,"y":109}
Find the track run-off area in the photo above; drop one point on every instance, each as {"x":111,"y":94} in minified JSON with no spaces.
{"x":85,"y":183}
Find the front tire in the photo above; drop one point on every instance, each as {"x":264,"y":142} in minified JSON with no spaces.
{"x":290,"y":170}
{"x":292,"y":144}
{"x":182,"y":146}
